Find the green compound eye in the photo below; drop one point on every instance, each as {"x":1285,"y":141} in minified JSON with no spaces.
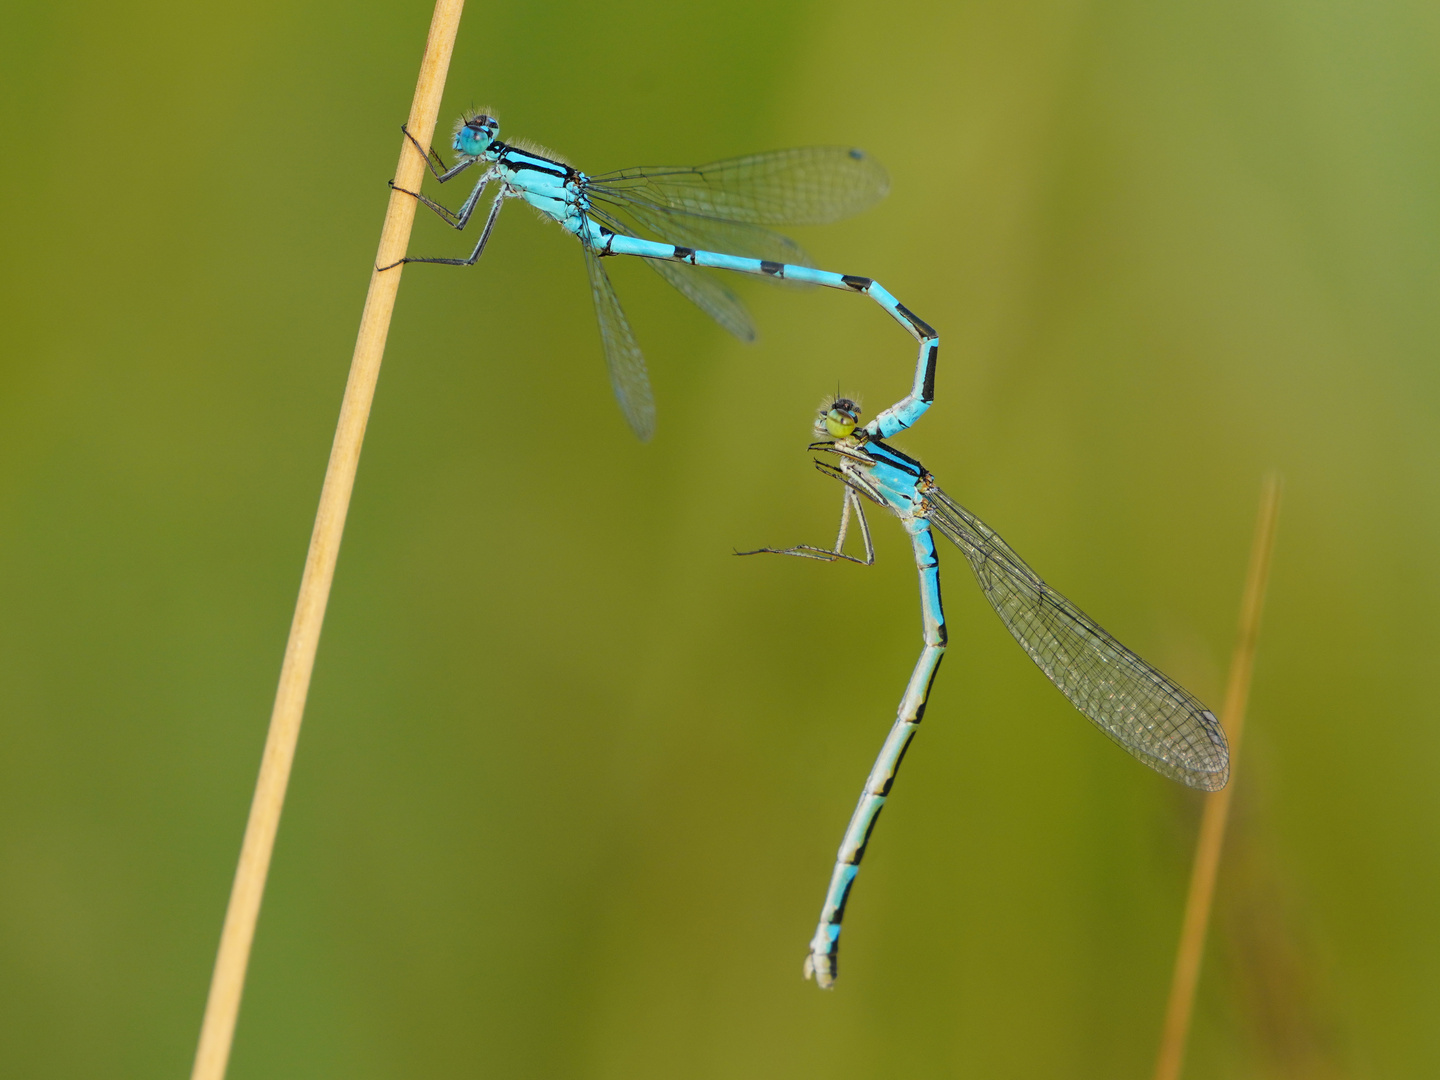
{"x":839,"y":424}
{"x":842,"y":418}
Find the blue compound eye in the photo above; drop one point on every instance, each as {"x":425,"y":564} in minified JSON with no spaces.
{"x":474,"y":134}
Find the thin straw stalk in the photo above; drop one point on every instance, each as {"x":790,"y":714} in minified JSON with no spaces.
{"x":228,"y":980}
{"x":1217,"y":805}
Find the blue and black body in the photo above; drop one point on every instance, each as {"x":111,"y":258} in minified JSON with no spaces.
{"x":1140,"y":708}
{"x":714,"y":216}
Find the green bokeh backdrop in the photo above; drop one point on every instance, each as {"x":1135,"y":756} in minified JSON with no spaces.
{"x":572,"y":776}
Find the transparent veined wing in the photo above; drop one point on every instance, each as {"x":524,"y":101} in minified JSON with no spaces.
{"x":699,"y":286}
{"x":1143,"y":710}
{"x":703,"y":290}
{"x":728,"y":237}
{"x":622,"y":353}
{"x":808,"y":185}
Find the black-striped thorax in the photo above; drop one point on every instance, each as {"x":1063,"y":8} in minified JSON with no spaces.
{"x":898,"y":478}
{"x":548,"y":185}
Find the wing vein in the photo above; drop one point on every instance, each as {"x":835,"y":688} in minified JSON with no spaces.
{"x":1137,"y":706}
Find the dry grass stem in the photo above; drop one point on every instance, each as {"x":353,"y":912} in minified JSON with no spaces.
{"x":1217,"y":806}
{"x":228,"y":980}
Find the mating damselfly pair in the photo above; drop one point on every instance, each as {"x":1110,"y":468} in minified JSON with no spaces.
{"x":718,"y":216}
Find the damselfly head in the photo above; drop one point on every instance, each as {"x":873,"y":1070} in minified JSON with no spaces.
{"x":474,"y":133}
{"x":840,"y":418}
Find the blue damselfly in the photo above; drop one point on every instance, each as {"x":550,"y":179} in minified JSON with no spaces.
{"x":1143,"y":710}
{"x":714,"y":216}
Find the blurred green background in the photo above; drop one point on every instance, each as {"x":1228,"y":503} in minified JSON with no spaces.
{"x":572,"y":776}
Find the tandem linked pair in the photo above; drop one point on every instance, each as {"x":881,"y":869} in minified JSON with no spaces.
{"x":719,"y":216}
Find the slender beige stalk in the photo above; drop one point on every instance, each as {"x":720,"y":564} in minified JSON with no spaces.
{"x":228,"y":980}
{"x":1217,"y":805}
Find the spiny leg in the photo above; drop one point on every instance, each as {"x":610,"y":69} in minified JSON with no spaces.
{"x":823,"y":961}
{"x":809,"y":551}
{"x":479,"y":247}
{"x":456,"y":219}
{"x":434,"y":160}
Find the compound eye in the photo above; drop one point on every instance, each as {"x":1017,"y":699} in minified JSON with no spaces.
{"x":840,"y":422}
{"x":474,"y":135}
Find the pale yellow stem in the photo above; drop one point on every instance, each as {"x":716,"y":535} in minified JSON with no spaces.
{"x":1217,"y":805}
{"x":228,"y":981}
